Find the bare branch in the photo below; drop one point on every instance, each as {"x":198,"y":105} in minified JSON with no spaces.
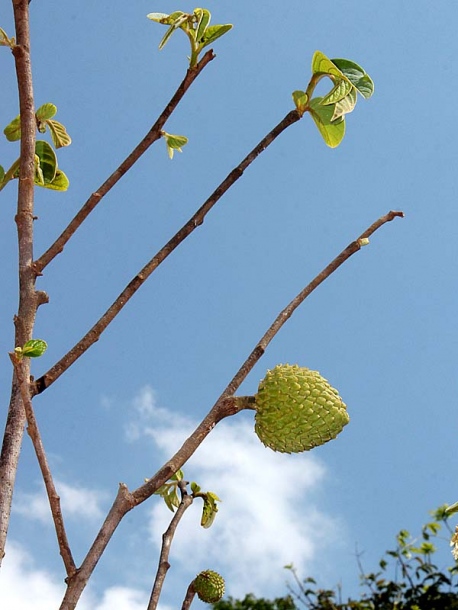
{"x":167,"y":538}
{"x":197,"y":219}
{"x":226,"y":405}
{"x":54,"y":500}
{"x":153,"y":134}
{"x":284,"y":315}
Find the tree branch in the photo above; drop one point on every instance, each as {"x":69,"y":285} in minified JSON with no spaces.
{"x":28,"y":301}
{"x":196,"y":220}
{"x":54,"y":500}
{"x":167,"y":538}
{"x":226,"y":405}
{"x":153,"y":134}
{"x":188,"y":599}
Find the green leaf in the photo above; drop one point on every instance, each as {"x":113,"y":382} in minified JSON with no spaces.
{"x":452,"y":509}
{"x":47,"y":160}
{"x":178,"y":476}
{"x":341,"y":89}
{"x":34,"y":348}
{"x":331,"y":131}
{"x":2,"y":173}
{"x":195,"y":488}
{"x":346,"y":105}
{"x":13,"y":130}
{"x":174,"y":143}
{"x":59,"y":134}
{"x":60,"y":182}
{"x":209,"y":510}
{"x":166,"y":37}
{"x":323,"y":65}
{"x":213,"y":32}
{"x":203,"y":19}
{"x":208,"y":513}
{"x":356,"y":75}
{"x":176,"y":19}
{"x":46,"y":111}
{"x":5,"y":41}
{"x":158,"y":17}
{"x":300,"y":99}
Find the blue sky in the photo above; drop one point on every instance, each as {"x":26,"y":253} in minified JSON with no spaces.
{"x":381,"y":329}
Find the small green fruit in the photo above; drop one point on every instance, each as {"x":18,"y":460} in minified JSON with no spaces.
{"x":297,"y":409}
{"x":209,"y":586}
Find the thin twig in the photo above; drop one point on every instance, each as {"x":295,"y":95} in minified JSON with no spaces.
{"x":167,"y":537}
{"x":196,"y":220}
{"x":54,"y":500}
{"x":225,"y":406}
{"x":284,"y":315}
{"x":153,"y":134}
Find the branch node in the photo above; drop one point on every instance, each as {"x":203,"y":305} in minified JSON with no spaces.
{"x":42,"y":297}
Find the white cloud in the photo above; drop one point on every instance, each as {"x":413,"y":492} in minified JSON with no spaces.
{"x":24,"y":586}
{"x":268,"y":517}
{"x":75,"y":501}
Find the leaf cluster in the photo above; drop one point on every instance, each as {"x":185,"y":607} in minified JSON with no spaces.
{"x":328,"y":112}
{"x":195,"y":25}
{"x":47,"y":173}
{"x":176,"y":486}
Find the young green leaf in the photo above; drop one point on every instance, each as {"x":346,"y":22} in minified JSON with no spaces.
{"x":5,"y":41}
{"x":34,"y":348}
{"x":452,"y":509}
{"x":46,"y":111}
{"x":175,"y":20}
{"x":346,"y":105}
{"x":59,"y":134}
{"x":341,"y":89}
{"x":331,"y":131}
{"x":60,"y":182}
{"x":323,"y":65}
{"x":13,"y":130}
{"x":178,"y":476}
{"x":158,"y":17}
{"x":209,"y":510}
{"x":195,"y":488}
{"x":2,"y":174}
{"x":47,"y":160}
{"x":174,"y":143}
{"x":356,"y":75}
{"x":300,"y":99}
{"x":213,"y":32}
{"x":203,"y":19}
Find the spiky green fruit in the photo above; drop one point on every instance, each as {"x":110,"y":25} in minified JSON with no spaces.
{"x":297,"y":409}
{"x":209,"y":586}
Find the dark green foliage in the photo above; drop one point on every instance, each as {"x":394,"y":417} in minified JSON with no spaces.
{"x":407,"y":579}
{"x":250,"y":602}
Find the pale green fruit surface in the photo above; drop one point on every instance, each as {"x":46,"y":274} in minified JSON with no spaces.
{"x":297,"y":409}
{"x":209,"y":586}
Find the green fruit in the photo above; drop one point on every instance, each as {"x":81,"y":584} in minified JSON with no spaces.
{"x":297,"y":409}
{"x":209,"y":586}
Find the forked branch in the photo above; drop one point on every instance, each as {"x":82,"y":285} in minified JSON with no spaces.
{"x":167,"y":538}
{"x":153,"y":134}
{"x":196,"y":220}
{"x":225,"y":406}
{"x":53,"y":497}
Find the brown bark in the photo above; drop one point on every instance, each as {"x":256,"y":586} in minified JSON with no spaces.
{"x":28,"y":298}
